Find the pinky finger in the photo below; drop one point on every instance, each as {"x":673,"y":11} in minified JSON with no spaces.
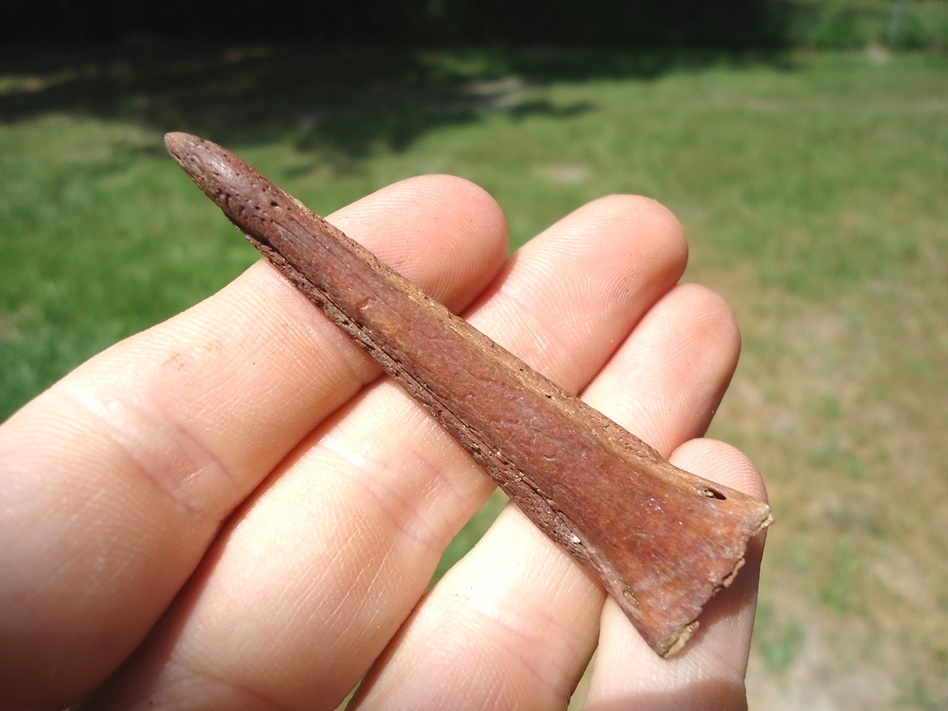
{"x":709,"y":673}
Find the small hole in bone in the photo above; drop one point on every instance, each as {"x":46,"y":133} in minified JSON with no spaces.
{"x":711,"y":493}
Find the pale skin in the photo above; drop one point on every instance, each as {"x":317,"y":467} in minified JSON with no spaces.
{"x":233,"y":510}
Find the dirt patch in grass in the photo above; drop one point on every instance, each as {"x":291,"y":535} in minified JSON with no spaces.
{"x":841,"y":402}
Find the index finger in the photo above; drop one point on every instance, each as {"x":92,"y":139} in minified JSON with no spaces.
{"x":114,"y":482}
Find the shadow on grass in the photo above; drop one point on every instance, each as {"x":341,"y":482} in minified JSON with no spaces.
{"x":346,"y":102}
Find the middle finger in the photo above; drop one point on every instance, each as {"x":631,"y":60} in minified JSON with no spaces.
{"x":342,"y":543}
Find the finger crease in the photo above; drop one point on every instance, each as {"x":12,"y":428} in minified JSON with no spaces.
{"x":163,"y":452}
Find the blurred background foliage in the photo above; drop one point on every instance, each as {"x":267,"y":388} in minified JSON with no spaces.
{"x":733,"y":23}
{"x":729,"y":24}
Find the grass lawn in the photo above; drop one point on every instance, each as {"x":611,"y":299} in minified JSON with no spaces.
{"x":813,"y":188}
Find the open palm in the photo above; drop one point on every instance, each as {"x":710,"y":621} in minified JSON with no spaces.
{"x":233,"y":510}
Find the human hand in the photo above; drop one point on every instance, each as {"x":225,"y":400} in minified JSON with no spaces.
{"x":231,"y":510}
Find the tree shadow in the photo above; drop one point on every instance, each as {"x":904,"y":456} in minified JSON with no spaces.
{"x":344,"y":102}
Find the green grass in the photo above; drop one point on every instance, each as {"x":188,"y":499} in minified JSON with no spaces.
{"x":812,"y":187}
{"x":780,"y":640}
{"x":853,"y":24}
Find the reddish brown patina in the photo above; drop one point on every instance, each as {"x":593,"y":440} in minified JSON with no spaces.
{"x":661,"y":541}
